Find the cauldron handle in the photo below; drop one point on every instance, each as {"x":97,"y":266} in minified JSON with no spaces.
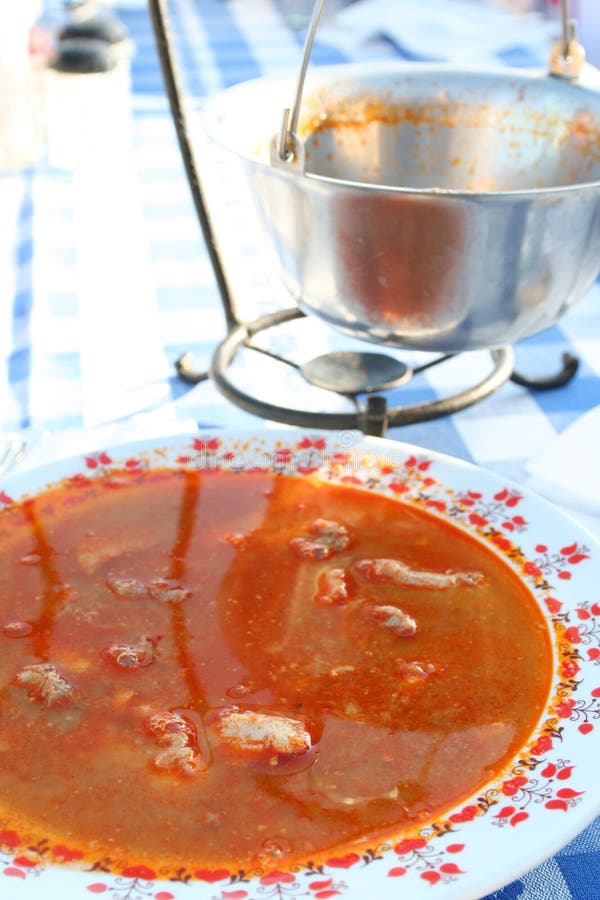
{"x":567,"y":56}
{"x":566,"y":61}
{"x":288,"y":146}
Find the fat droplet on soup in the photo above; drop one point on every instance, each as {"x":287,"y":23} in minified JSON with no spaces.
{"x":17,"y":629}
{"x":132,"y":656}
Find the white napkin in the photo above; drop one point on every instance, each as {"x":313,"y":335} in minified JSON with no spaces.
{"x":568,"y":472}
{"x":458,"y":31}
{"x":44,"y":447}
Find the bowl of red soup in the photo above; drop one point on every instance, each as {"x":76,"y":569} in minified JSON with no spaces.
{"x":290,"y":664}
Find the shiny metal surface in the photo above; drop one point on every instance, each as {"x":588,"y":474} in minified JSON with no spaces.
{"x":352,"y":372}
{"x":435,"y":208}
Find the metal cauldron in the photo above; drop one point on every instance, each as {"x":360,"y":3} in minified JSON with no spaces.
{"x":422,"y":205}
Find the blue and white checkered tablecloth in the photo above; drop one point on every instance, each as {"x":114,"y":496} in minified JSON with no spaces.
{"x":104,"y":282}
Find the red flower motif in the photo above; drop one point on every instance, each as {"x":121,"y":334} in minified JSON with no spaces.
{"x":12,"y":872}
{"x":572,"y":635}
{"x":564,"y":773}
{"x":64,"y":853}
{"x":553,"y":606}
{"x":104,"y":458}
{"x":397,"y":871}
{"x":576,"y":558}
{"x":431,"y":877}
{"x":467,"y":814}
{"x":540,"y":548}
{"x":350,"y":479}
{"x":398,"y":487}
{"x":211,"y":875}
{"x":596,"y":609}
{"x":164,"y":895}
{"x":565,"y":708}
{"x":455,"y":848}
{"x":25,"y":862}
{"x":568,"y":793}
{"x":451,"y":869}
{"x":557,"y":804}
{"x":566,"y":551}
{"x":97,"y":887}
{"x":437,"y":504}
{"x":593,"y":653}
{"x":5,"y":499}
{"x":564,"y":575}
{"x":278,"y":878}
{"x":200,"y":444}
{"x":9,"y":839}
{"x":141,"y":872}
{"x":570,"y":668}
{"x":513,"y":785}
{"x":79,"y":480}
{"x":542,"y":745}
{"x":585,"y":727}
{"x":512,"y":501}
{"x":90,"y":462}
{"x":505,"y":813}
{"x":531,"y":569}
{"x":476,"y":519}
{"x":343,"y":862}
{"x":320,"y":885}
{"x":409,"y":845}
{"x":549,"y":771}
{"x":519,"y":817}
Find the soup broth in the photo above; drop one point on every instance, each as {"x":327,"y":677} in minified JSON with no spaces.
{"x":246,"y":669}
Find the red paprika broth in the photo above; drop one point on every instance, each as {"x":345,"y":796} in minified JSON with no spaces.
{"x":139,"y":624}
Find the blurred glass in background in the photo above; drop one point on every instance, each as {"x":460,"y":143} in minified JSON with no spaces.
{"x":22,"y":61}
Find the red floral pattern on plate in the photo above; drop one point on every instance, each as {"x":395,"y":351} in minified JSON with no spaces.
{"x":544,"y":782}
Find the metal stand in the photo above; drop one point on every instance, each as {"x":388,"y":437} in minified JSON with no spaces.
{"x":374,"y":417}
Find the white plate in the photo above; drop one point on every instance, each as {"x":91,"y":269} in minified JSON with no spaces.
{"x":521,"y":817}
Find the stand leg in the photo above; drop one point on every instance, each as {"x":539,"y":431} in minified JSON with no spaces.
{"x":570,"y":364}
